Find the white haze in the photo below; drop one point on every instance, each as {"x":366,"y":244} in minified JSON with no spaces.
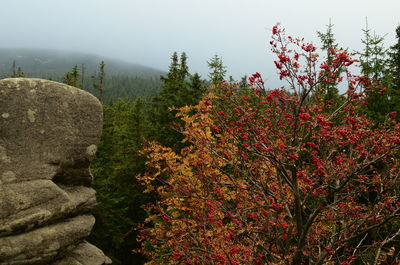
{"x":149,"y":31}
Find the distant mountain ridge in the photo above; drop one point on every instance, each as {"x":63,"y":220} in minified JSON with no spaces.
{"x":123,"y":79}
{"x":55,"y":63}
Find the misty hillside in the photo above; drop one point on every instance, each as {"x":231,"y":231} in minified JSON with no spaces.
{"x":123,"y":79}
{"x":53,"y":63}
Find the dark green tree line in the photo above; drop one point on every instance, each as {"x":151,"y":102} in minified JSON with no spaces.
{"x":127,"y":127}
{"x":179,"y":88}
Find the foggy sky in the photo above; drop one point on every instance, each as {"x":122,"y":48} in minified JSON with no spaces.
{"x":149,"y":31}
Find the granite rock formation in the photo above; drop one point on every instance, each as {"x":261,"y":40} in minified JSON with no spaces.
{"x":48,"y":136}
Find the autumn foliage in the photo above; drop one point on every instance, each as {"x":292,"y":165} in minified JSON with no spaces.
{"x":278,"y":176}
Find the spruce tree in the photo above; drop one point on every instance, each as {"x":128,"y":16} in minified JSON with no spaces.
{"x":100,"y":78}
{"x":217,"y":70}
{"x":20,"y":73}
{"x":197,"y":88}
{"x":329,"y":90}
{"x":243,"y":82}
{"x":179,"y":89}
{"x":71,"y":78}
{"x":373,"y":63}
{"x":14,"y":69}
{"x":82,"y":84}
{"x":17,"y":71}
{"x":183,"y":68}
{"x":373,"y":60}
{"x":394,"y":70}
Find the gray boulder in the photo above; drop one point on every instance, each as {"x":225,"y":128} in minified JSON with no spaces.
{"x":48,"y":135}
{"x":84,"y":254}
{"x":50,"y":128}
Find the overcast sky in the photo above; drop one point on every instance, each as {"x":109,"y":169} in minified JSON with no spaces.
{"x":148,"y":31}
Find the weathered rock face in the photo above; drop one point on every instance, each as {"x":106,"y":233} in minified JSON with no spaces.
{"x":48,"y":136}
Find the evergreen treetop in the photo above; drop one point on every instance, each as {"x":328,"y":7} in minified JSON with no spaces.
{"x":217,"y":70}
{"x":329,"y":89}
